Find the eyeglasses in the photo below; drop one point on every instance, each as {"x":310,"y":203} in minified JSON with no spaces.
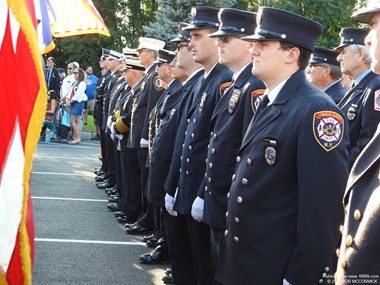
{"x":76,"y":72}
{"x":311,"y":65}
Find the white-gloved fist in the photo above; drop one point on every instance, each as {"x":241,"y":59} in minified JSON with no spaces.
{"x":197,"y":209}
{"x":143,"y":143}
{"x":169,"y":204}
{"x":109,"y":122}
{"x":114,"y":134}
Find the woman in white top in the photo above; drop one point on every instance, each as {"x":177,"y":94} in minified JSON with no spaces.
{"x":76,"y":101}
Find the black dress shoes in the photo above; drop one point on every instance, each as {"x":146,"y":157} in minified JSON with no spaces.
{"x":138,"y":230}
{"x":111,"y":191}
{"x":106,"y":184}
{"x":149,"y":237}
{"x":101,"y":178}
{"x":159,"y":256}
{"x":168,"y":279}
{"x":104,"y":181}
{"x":119,"y":214}
{"x":125,"y":219}
{"x":154,"y":242}
{"x":129,"y":226}
{"x":113,"y":199}
{"x":113,"y":207}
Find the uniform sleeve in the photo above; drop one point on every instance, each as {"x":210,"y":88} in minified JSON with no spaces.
{"x":370,"y":117}
{"x":322,"y":171}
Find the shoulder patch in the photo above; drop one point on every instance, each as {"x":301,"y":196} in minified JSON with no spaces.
{"x":256,"y":99}
{"x":328,"y":129}
{"x":157,"y":83}
{"x":224,"y":88}
{"x":376,"y":105}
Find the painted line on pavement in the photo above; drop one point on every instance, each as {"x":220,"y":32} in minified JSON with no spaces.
{"x":60,"y":173}
{"x":89,"y":241}
{"x":63,"y":157}
{"x":69,"y":199}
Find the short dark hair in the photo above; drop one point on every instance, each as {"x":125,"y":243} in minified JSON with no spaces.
{"x":305,"y":55}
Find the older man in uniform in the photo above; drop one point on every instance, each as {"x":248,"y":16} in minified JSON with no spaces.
{"x":359,"y":104}
{"x":164,"y":71}
{"x":194,"y":149}
{"x":284,"y":204}
{"x":359,"y":254}
{"x":143,"y":102}
{"x":229,"y":121}
{"x":324,"y":72}
{"x":133,"y":73}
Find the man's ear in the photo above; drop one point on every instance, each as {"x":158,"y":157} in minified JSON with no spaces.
{"x":293,"y":55}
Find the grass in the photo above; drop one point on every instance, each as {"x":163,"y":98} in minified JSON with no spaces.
{"x":90,"y":125}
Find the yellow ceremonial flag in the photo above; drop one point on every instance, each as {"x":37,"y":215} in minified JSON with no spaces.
{"x":76,"y":17}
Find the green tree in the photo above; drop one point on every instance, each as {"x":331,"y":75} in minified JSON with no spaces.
{"x":171,"y":12}
{"x":333,"y":15}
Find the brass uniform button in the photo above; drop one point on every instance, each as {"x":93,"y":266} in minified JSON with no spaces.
{"x":239,"y":200}
{"x":237,"y":220}
{"x":233,"y":177}
{"x":249,"y":162}
{"x":349,"y":240}
{"x":244,"y":181}
{"x":236,"y":239}
{"x":228,"y":195}
{"x":238,"y":159}
{"x":227,"y":214}
{"x":226,"y":233}
{"x":357,"y":215}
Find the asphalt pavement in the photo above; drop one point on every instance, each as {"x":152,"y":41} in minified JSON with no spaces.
{"x":77,"y":240}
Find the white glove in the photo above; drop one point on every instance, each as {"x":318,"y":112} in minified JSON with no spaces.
{"x":114,"y":134}
{"x":143,"y":143}
{"x":109,"y":122}
{"x":197,"y":209}
{"x":169,"y":203}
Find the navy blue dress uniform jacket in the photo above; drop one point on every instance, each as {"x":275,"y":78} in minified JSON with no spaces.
{"x":284,"y":204}
{"x":360,"y":252}
{"x":180,"y":119}
{"x":143,"y":102}
{"x":123,"y":121}
{"x":197,"y":136}
{"x":154,"y":114}
{"x":361,"y":105}
{"x":99,"y":94}
{"x":114,"y":86}
{"x":164,"y":140}
{"x":336,"y":91}
{"x":229,"y":122}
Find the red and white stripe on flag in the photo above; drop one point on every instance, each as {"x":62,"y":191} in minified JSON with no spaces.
{"x":76,"y":17}
{"x":23,"y":101}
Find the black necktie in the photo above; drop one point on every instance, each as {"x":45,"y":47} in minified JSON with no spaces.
{"x":264,"y":103}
